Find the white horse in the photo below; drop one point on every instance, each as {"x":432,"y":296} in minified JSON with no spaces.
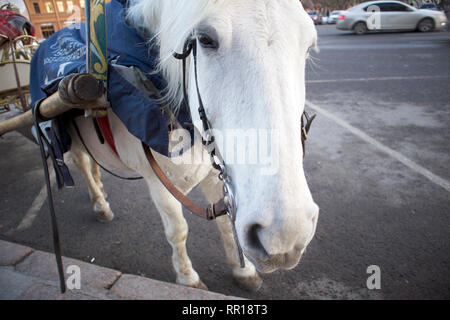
{"x":251,"y":64}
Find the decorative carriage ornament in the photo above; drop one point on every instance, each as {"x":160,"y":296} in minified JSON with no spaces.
{"x":17,"y":46}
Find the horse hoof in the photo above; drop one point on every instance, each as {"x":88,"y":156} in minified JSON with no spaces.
{"x":107,"y":216}
{"x":103,"y":211}
{"x":252,"y":283}
{"x":199,"y":285}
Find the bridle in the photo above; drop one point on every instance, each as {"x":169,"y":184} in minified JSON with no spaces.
{"x":226,"y":205}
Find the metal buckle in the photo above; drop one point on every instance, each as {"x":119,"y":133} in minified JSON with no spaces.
{"x":229,"y":199}
{"x":230,"y":202}
{"x":211,"y":212}
{"x":305,"y":135}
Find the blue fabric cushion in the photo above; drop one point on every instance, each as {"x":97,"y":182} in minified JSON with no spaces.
{"x":65,"y":53}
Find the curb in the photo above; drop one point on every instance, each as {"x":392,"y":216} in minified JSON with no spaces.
{"x":28,"y":274}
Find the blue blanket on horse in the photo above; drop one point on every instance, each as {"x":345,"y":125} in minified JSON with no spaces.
{"x":65,"y":52}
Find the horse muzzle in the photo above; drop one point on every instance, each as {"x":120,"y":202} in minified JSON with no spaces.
{"x":270,"y":248}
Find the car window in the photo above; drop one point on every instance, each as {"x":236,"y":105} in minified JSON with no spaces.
{"x":383,"y":6}
{"x":388,"y":7}
{"x":398,"y":7}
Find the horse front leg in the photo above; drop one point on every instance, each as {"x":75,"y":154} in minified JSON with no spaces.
{"x":87,"y":167}
{"x":246,"y":277}
{"x":95,"y":168}
{"x":176,"y":230}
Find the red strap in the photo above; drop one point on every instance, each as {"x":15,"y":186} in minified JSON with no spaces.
{"x":105,"y":128}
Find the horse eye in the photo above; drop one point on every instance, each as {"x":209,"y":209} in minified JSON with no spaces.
{"x":207,"y":42}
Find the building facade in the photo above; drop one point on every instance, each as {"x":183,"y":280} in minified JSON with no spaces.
{"x":49,"y":16}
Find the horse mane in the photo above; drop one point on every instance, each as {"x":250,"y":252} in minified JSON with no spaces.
{"x":170,"y":22}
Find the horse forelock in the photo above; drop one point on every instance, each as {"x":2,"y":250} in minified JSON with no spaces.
{"x":170,"y":22}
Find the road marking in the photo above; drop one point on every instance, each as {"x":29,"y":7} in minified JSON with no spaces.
{"x":381,"y":46}
{"x":34,"y":209}
{"x":378,"y":79}
{"x":394,"y":154}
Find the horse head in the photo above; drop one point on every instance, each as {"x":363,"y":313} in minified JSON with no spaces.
{"x":250,"y":68}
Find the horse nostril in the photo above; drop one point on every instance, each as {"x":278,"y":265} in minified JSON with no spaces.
{"x":254,"y":243}
{"x":252,"y":235}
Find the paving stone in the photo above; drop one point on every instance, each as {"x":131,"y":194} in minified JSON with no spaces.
{"x":32,"y":275}
{"x":12,"y":283}
{"x":50,"y":291}
{"x":42,"y":265}
{"x":12,"y":253}
{"x":138,"y":288}
{"x":18,"y":286}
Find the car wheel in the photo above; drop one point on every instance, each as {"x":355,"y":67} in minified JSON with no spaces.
{"x":360,"y":28}
{"x":425,"y":25}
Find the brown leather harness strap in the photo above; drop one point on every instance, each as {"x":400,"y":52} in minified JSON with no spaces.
{"x":211,"y":212}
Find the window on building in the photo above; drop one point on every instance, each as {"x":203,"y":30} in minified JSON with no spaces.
{"x":47,"y":30}
{"x":49,"y":7}
{"x":69,"y":6}
{"x":60,"y":6}
{"x":36,"y":7}
{"x":82,"y":4}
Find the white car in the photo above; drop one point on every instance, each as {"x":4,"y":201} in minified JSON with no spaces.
{"x":390,"y":15}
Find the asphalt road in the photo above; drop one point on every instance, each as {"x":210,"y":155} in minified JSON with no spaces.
{"x":377,"y":164}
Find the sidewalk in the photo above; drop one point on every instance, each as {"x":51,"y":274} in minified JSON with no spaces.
{"x":32,"y":275}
